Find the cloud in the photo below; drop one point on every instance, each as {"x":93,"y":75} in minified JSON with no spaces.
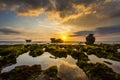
{"x":80,"y":13}
{"x":26,"y":7}
{"x":8,"y":31}
{"x":87,"y":2}
{"x":38,"y":33}
{"x":85,"y":21}
{"x":108,"y":30}
{"x":101,"y":31}
{"x":95,"y":14}
{"x":109,"y":9}
{"x":81,"y":33}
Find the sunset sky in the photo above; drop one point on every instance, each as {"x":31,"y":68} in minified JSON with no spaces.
{"x":43,"y":19}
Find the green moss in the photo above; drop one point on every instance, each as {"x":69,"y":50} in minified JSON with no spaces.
{"x":31,"y":73}
{"x":93,"y":71}
{"x":103,"y":51}
{"x":51,"y":73}
{"x":59,"y":53}
{"x":98,"y":71}
{"x":10,"y":53}
{"x":79,"y":55}
{"x":51,"y":48}
{"x":36,"y":52}
{"x":22,"y":73}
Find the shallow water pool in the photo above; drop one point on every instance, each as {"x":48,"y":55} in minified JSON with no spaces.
{"x":68,"y":70}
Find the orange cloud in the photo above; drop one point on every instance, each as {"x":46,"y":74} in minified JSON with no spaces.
{"x":80,"y":13}
{"x":35,"y":12}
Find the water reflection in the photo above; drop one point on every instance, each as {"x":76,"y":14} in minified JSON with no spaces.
{"x":71,"y":72}
{"x":115,"y":64}
{"x":118,"y":50}
{"x":68,"y":70}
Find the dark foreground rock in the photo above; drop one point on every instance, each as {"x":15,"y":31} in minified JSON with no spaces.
{"x":98,"y":71}
{"x":31,"y":73}
{"x":22,"y":73}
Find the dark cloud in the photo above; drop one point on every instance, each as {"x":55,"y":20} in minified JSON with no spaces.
{"x":97,"y":13}
{"x":109,"y":9}
{"x":62,"y":5}
{"x":57,"y":5}
{"x":103,"y":31}
{"x":71,"y":12}
{"x":33,"y":3}
{"x":87,"y":2}
{"x":108,"y":30}
{"x":27,"y":7}
{"x":85,"y":21}
{"x":8,"y":31}
{"x":81,"y":33}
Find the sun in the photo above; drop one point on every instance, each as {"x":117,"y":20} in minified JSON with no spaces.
{"x":64,"y":37}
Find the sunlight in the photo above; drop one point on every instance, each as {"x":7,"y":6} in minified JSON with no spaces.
{"x":64,"y":37}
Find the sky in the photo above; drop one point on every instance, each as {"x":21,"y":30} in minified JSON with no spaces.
{"x":41,"y":20}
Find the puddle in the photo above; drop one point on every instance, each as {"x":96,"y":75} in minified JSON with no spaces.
{"x":115,"y":65}
{"x":68,"y":70}
{"x":118,"y":50}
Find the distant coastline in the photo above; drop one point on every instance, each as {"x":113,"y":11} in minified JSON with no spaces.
{"x":45,"y":42}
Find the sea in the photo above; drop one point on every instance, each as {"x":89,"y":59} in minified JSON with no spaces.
{"x":48,"y":42}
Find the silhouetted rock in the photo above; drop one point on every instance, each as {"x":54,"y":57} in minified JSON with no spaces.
{"x":53,"y":40}
{"x":90,"y":39}
{"x":28,"y":40}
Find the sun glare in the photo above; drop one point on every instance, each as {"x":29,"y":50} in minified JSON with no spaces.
{"x":64,"y":37}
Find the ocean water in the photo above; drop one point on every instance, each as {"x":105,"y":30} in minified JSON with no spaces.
{"x":22,"y":42}
{"x":48,"y":42}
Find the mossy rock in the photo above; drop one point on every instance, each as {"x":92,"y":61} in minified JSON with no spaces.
{"x":59,"y":53}
{"x":51,"y":73}
{"x":36,"y":52}
{"x":98,"y":71}
{"x":22,"y":73}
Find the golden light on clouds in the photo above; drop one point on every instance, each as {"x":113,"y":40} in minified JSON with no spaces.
{"x":45,"y":19}
{"x":34,"y":12}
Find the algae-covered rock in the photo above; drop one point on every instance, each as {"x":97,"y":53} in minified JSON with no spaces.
{"x":59,"y":53}
{"x":36,"y":52}
{"x":51,"y":73}
{"x":9,"y":53}
{"x":98,"y":71}
{"x":22,"y":73}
